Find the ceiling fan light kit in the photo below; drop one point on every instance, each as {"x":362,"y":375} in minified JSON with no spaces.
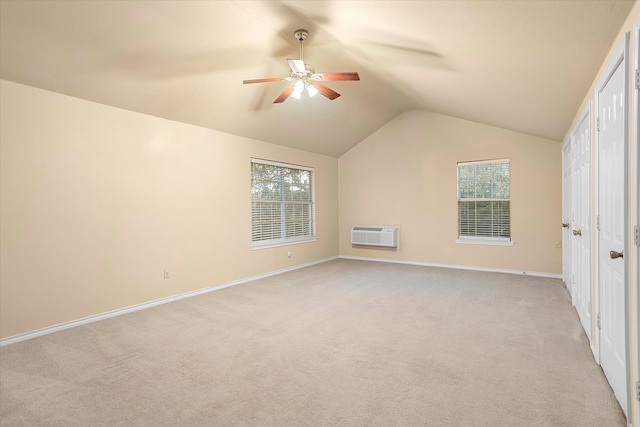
{"x":304,"y":78}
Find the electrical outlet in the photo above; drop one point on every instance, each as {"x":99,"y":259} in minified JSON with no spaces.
{"x":559,"y":244}
{"x":288,"y":254}
{"x":166,"y":275}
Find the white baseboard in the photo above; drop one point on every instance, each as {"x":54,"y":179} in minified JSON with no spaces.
{"x":460,"y":267}
{"x":74,"y":323}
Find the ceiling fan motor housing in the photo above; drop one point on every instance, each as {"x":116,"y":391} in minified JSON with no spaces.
{"x":301,"y":35}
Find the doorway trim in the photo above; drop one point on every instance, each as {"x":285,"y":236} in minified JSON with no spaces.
{"x":636,"y":109}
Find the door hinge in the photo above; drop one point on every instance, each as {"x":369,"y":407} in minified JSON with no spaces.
{"x":598,"y":321}
{"x":636,"y":235}
{"x":637,"y":78}
{"x":598,"y":222}
{"x":638,"y":390}
{"x":598,"y":124}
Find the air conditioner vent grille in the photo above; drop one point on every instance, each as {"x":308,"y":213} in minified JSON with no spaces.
{"x":368,"y":228}
{"x":375,"y":236}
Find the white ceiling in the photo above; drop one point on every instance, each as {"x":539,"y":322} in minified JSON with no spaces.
{"x":521,"y":65}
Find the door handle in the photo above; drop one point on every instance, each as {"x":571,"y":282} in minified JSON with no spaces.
{"x":577,"y":232}
{"x":614,"y":254}
{"x":565,"y":225}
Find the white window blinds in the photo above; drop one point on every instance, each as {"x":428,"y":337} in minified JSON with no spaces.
{"x":484,"y":204}
{"x":282,"y":203}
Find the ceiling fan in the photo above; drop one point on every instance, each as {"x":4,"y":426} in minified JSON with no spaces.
{"x":303,"y":77}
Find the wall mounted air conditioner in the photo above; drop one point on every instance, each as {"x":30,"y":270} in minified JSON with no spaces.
{"x":375,"y":236}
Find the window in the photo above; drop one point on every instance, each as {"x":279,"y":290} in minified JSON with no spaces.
{"x":484,"y":206}
{"x":282,"y":204}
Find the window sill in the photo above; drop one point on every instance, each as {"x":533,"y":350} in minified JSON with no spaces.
{"x":489,"y":242}
{"x":276,"y":243}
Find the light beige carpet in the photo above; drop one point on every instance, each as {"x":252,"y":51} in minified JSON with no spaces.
{"x":346,"y":343}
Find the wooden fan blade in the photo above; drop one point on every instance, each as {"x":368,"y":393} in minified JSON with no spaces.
{"x":297,"y":65}
{"x":284,"y":94}
{"x":326,"y":91}
{"x":336,"y":77}
{"x":269,"y":80}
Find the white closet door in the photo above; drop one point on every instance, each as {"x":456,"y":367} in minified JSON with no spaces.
{"x":581,"y":224}
{"x":611,"y":111}
{"x":566,"y":216}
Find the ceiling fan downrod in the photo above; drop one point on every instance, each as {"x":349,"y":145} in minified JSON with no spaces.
{"x":301,"y":35}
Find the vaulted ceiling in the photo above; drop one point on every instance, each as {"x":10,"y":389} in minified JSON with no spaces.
{"x":522,"y":65}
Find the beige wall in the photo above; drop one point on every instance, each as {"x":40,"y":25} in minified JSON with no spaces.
{"x":405,"y":175}
{"x":97,"y":201}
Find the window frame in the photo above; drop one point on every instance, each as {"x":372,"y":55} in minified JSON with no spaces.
{"x":475,"y":239}
{"x":283,"y":240}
